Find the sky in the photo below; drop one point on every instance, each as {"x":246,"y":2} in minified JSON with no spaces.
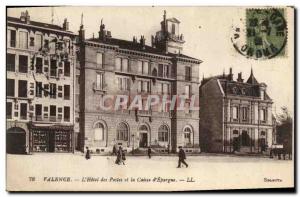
{"x":207,"y":32}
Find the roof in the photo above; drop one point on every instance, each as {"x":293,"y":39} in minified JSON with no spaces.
{"x":237,"y":88}
{"x":136,"y":46}
{"x":173,"y":20}
{"x":37,"y":24}
{"x":252,"y":79}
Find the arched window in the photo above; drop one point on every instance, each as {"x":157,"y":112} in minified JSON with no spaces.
{"x":99,"y":132}
{"x":173,"y":28}
{"x":122,"y":132}
{"x":187,"y":136}
{"x":163,"y":134}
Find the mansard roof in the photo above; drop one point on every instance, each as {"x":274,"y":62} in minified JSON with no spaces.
{"x":136,"y":46}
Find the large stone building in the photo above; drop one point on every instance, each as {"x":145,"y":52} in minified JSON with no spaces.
{"x":111,"y":66}
{"x":235,"y":115}
{"x":39,"y":86}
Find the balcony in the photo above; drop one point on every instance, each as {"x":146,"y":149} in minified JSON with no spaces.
{"x":146,"y":113}
{"x":52,"y":119}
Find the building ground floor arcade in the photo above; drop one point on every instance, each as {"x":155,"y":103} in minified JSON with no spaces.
{"x":101,"y":132}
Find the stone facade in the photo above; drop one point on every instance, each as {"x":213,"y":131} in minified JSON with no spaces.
{"x":110,"y":66}
{"x":40,"y":83}
{"x":235,"y":115}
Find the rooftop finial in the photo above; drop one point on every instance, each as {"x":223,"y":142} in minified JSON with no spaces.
{"x":81,"y":18}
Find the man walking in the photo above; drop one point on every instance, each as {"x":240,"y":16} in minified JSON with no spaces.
{"x":182,"y":157}
{"x":149,"y":152}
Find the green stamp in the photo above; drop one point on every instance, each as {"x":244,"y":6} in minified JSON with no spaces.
{"x":266,"y":34}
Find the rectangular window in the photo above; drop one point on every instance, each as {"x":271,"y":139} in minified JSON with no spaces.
{"x":67,"y":114}
{"x":166,"y":71}
{"x":67,"y":69}
{"x":160,"y":70}
{"x":22,"y":90}
{"x":140,"y":86}
{"x":188,"y":73}
{"x":38,"y":89}
{"x":52,"y":90}
{"x":23,"y":40}
{"x":10,"y":62}
{"x":99,"y":81}
{"x":12,"y":35}
{"x":52,"y":113}
{"x":46,"y":90}
{"x":125,"y":65}
{"x":39,"y":42}
{"x":52,"y":44}
{"x":123,"y":83}
{"x":53,"y":68}
{"x":38,"y":112}
{"x":235,"y":114}
{"x":263,"y":114}
{"x":67,"y":92}
{"x":99,"y":59}
{"x":8,"y":110}
{"x":23,"y":64}
{"x":140,"y":67}
{"x":245,"y":111}
{"x":39,"y":65}
{"x":23,"y":113}
{"x":118,"y":64}
{"x":10,"y":87}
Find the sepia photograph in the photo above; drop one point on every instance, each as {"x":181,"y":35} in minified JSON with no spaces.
{"x":150,"y":99}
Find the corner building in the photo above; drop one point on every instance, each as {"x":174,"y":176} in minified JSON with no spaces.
{"x":111,"y":66}
{"x":39,"y":86}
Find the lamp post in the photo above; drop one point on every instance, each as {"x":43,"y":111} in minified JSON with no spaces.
{"x":132,"y":143}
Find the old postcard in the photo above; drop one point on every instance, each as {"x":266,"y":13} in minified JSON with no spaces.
{"x":149,"y":98}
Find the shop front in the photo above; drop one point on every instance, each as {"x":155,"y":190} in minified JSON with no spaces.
{"x":51,"y":138}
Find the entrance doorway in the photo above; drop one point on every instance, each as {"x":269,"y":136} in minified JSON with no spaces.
{"x":16,"y":141}
{"x":143,"y":140}
{"x":143,"y":130}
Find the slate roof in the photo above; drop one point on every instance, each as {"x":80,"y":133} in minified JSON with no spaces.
{"x":130,"y":45}
{"x":235,"y":88}
{"x":37,"y":24}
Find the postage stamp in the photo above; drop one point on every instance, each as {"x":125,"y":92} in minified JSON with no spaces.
{"x":265,"y":34}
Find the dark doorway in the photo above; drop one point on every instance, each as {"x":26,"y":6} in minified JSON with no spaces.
{"x":245,"y":139}
{"x":16,"y":141}
{"x":51,"y":141}
{"x":143,"y":140}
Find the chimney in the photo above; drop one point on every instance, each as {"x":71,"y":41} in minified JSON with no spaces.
{"x":230,"y":76}
{"x":134,"y":40}
{"x":25,"y":17}
{"x":152,"y":41}
{"x":66,"y":25}
{"x":108,"y":34}
{"x":81,"y":31}
{"x":239,"y":79}
{"x":142,"y":41}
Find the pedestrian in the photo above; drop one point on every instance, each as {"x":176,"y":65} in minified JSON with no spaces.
{"x":182,"y":157}
{"x":168,"y":148}
{"x":123,"y":157}
{"x":87,"y":154}
{"x":120,"y":156}
{"x":149,"y":152}
{"x":114,"y":152}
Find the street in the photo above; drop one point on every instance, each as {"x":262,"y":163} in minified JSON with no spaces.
{"x":101,"y":173}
